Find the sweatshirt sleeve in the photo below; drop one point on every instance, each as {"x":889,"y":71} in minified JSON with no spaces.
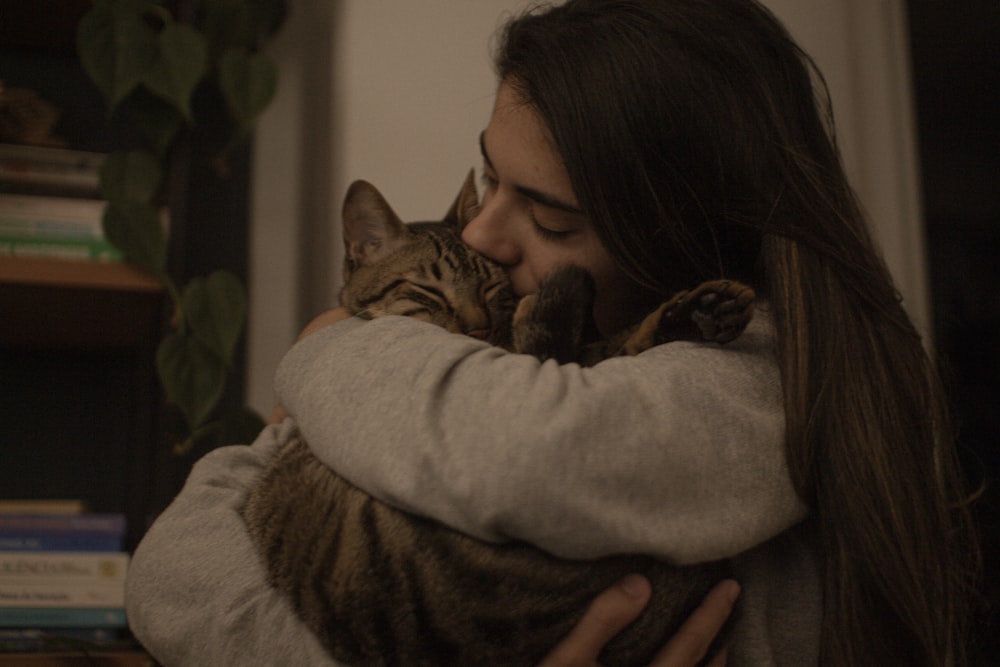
{"x":196,"y":593}
{"x":677,"y":452}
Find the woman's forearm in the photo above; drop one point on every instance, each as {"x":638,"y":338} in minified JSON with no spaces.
{"x":677,"y":453}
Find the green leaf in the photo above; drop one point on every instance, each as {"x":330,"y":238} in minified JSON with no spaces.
{"x":248,"y":83}
{"x":116,"y":46}
{"x":192,"y":374}
{"x":270,"y":16}
{"x":134,"y":228}
{"x":130,"y":176}
{"x":228,"y":24}
{"x":157,"y":119}
{"x":180,"y":64}
{"x":215,"y":308}
{"x":241,"y":23}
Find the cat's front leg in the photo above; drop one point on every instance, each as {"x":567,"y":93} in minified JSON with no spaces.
{"x":550,"y":323}
{"x":714,"y":311}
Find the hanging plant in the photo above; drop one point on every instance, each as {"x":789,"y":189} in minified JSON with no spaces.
{"x":145,"y":59}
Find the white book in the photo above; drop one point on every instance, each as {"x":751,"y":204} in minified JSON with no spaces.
{"x":62,"y":579}
{"x":50,"y":216}
{"x":52,"y":167}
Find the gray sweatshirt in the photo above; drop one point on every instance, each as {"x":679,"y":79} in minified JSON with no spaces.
{"x":677,"y":453}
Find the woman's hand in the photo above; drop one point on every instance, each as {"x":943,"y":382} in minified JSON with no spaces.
{"x":615,"y":608}
{"x":324,"y":319}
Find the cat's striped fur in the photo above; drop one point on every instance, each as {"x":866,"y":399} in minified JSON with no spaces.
{"x":420,"y":270}
{"x":381,"y":587}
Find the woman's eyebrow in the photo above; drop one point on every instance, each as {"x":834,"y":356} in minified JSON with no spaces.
{"x":531,"y":193}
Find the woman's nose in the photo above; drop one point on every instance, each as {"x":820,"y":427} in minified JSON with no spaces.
{"x":487,"y":234}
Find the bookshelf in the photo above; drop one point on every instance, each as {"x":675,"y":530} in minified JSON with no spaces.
{"x":81,"y":304}
{"x":79,"y":395}
{"x":84,"y":411}
{"x":85,"y":416}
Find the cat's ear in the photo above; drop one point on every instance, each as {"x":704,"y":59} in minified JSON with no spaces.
{"x":466,"y":204}
{"x":371,"y":228}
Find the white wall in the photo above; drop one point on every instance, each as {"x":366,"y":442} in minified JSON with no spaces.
{"x":397,"y":92}
{"x":389,"y":91}
{"x":862,"y":48}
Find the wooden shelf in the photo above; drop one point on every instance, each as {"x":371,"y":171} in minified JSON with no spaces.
{"x":76,"y":304}
{"x":79,"y":274}
{"x":78,"y":340}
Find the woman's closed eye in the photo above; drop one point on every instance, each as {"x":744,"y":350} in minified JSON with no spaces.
{"x":549,"y":232}
{"x":546,"y":230}
{"x":489,"y":181}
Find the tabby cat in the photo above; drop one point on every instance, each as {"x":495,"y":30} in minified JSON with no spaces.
{"x":382,"y":587}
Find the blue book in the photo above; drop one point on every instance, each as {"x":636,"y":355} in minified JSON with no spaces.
{"x":61,"y":617}
{"x":60,"y":542}
{"x":62,"y":639}
{"x":66,"y":524}
{"x":62,"y":532}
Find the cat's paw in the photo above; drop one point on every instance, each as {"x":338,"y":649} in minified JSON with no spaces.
{"x":721,"y":309}
{"x":550,"y":323}
{"x":715,"y":311}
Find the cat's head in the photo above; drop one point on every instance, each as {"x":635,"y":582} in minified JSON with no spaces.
{"x":422,"y":269}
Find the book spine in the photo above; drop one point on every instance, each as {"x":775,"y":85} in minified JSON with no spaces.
{"x":106,"y":524}
{"x":50,"y":228}
{"x":33,"y":226}
{"x":65,"y":248}
{"x":73,"y":506}
{"x":65,"y":209}
{"x":31,"y":579}
{"x":37,"y":639}
{"x":40,"y":595}
{"x":63,"y":568}
{"x":60,"y":542}
{"x":55,"y":168}
{"x":50,"y":176}
{"x":66,"y":617}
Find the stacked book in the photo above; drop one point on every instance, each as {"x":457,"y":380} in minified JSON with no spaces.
{"x":62,"y":579}
{"x":50,"y":204}
{"x":46,"y":171}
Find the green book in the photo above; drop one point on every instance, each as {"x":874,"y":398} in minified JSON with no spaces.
{"x":79,"y":247}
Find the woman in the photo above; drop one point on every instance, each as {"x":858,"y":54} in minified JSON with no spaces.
{"x":659,"y":144}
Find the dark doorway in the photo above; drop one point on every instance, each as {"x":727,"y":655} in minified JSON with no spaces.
{"x":956,"y":68}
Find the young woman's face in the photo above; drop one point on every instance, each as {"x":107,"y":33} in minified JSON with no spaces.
{"x":530,"y":220}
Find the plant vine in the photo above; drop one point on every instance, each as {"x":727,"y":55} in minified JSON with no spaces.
{"x":145,"y":57}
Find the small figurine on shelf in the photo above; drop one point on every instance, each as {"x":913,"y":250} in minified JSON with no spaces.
{"x":27,"y":118}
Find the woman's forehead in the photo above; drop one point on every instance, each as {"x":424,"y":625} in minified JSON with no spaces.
{"x":518,"y":144}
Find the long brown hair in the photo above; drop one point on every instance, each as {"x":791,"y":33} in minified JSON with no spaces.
{"x":698,"y":138}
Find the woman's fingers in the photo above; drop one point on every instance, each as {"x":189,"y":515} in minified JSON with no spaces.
{"x":607,"y":615}
{"x":615,"y":608}
{"x":692,"y":640}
